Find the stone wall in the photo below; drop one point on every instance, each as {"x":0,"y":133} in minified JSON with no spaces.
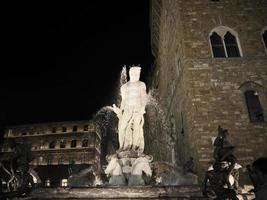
{"x":199,"y":92}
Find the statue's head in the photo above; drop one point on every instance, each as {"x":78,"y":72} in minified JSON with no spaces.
{"x":134,"y":73}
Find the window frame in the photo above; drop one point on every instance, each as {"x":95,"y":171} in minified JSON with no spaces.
{"x":221,"y":31}
{"x":216,"y":45}
{"x":75,"y":128}
{"x":262,"y":39}
{"x":85,"y":141}
{"x":62,"y":144}
{"x":52,"y":142}
{"x":73,"y":143}
{"x":251,"y":108}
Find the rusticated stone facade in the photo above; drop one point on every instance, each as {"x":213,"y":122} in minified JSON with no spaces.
{"x":54,"y":146}
{"x":199,"y":91}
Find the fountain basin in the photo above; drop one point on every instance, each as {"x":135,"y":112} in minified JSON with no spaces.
{"x":120,"y":192}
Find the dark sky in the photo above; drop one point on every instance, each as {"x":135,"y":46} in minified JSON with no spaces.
{"x":61,"y":60}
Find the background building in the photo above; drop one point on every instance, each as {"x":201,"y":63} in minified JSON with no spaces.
{"x":56,"y":147}
{"x":210,"y":69}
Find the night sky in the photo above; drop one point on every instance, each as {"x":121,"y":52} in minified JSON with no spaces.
{"x":61,"y":60}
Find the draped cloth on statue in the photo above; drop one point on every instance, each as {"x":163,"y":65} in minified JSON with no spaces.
{"x":131,"y":135}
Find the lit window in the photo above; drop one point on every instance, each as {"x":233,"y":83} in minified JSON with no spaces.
{"x":47,"y":183}
{"x":254,"y":107}
{"x":64,"y":182}
{"x":224,"y":43}
{"x":73,"y":143}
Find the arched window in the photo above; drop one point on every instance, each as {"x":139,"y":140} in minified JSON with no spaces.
{"x":52,"y":144}
{"x":231,"y":45}
{"x":224,"y":42}
{"x":264,"y":37}
{"x":254,"y":107}
{"x":217,"y":45}
{"x":73,"y":143}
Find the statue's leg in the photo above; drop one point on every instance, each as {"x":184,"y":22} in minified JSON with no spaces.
{"x":123,"y":124}
{"x":120,"y":135}
{"x":138,"y":134}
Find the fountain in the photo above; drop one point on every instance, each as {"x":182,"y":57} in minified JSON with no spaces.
{"x":131,"y":173}
{"x":128,"y":164}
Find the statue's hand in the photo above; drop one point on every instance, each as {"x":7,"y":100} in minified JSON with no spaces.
{"x":117,"y":110}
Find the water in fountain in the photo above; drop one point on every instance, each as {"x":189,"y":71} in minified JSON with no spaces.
{"x":123,"y":78}
{"x":157,"y":126}
{"x":160,"y":142}
{"x":107,"y":121}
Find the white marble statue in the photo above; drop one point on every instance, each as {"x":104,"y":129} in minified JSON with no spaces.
{"x":130,"y":113}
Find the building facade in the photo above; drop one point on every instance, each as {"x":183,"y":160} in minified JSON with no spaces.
{"x":210,"y":69}
{"x":55,"y":147}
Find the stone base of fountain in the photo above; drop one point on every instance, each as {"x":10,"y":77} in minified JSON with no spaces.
{"x":192,"y":192}
{"x":128,"y":168}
